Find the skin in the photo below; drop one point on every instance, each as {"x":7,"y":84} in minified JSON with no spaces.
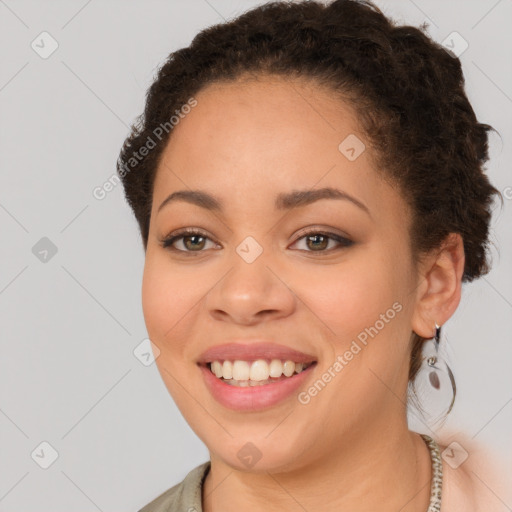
{"x":350,"y":447}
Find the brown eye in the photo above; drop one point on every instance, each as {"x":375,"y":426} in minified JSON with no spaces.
{"x":317,"y":241}
{"x":194,"y":242}
{"x":186,"y":241}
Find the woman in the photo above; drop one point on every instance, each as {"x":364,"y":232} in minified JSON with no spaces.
{"x":308,"y":181}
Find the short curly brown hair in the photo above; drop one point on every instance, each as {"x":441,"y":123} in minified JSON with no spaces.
{"x":407,"y":90}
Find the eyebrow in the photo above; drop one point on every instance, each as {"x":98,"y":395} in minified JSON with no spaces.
{"x":284,"y":201}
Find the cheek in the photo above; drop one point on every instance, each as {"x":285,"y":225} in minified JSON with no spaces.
{"x":362,"y":306}
{"x":367,"y":323}
{"x":170,"y":306}
{"x":169,"y":295}
{"x":350,"y":297}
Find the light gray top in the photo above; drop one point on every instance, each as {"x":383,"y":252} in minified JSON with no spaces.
{"x":183,"y":497}
{"x":187,"y":495}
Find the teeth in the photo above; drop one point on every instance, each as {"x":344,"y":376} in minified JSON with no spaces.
{"x":227,"y":370}
{"x":259,"y":370}
{"x":241,"y":370}
{"x":216,"y":368}
{"x":289,"y":368}
{"x":276,"y":368}
{"x":245,"y":373}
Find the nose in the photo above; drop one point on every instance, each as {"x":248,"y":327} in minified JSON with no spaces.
{"x":251,"y":293}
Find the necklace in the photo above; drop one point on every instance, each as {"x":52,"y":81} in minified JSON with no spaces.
{"x":437,"y":474}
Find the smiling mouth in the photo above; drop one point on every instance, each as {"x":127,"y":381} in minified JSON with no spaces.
{"x":260,"y":372}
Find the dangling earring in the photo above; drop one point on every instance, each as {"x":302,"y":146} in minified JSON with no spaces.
{"x":432,"y":360}
{"x":434,"y":363}
{"x":434,"y":385}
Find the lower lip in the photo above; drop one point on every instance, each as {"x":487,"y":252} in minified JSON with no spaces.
{"x":256,"y":397}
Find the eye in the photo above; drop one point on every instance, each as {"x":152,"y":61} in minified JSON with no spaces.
{"x":318,"y":241}
{"x":193,"y":240}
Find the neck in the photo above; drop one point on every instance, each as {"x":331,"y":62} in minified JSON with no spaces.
{"x":387,"y":470}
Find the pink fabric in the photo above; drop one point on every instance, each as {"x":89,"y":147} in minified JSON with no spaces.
{"x":482,"y":483}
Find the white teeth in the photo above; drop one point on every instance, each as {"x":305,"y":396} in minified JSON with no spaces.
{"x":276,"y":368}
{"x":241,"y":370}
{"x":217,"y":369}
{"x":227,"y":370}
{"x":289,"y":368}
{"x":258,"y":372}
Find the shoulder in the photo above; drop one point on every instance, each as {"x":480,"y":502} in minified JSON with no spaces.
{"x":473,"y":477}
{"x":184,"y":496}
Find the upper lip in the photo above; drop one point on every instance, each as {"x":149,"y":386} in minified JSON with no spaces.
{"x":244,"y":351}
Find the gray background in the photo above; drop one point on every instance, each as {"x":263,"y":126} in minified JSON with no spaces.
{"x":69,"y":325}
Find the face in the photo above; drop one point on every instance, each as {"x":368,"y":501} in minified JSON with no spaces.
{"x":327,"y":275}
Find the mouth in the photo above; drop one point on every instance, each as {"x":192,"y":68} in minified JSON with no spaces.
{"x":255,"y":374}
{"x":246,"y":395}
{"x":260,"y":372}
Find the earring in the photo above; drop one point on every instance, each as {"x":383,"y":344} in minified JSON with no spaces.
{"x":433,"y":377}
{"x":434,"y":385}
{"x":434,"y":364}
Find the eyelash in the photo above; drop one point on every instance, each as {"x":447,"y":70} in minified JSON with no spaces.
{"x":167,"y":242}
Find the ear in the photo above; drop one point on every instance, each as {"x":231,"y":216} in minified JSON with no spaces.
{"x":439,"y":291}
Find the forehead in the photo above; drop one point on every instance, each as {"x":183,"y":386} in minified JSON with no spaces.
{"x":275,"y":114}
{"x":246,"y":137}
